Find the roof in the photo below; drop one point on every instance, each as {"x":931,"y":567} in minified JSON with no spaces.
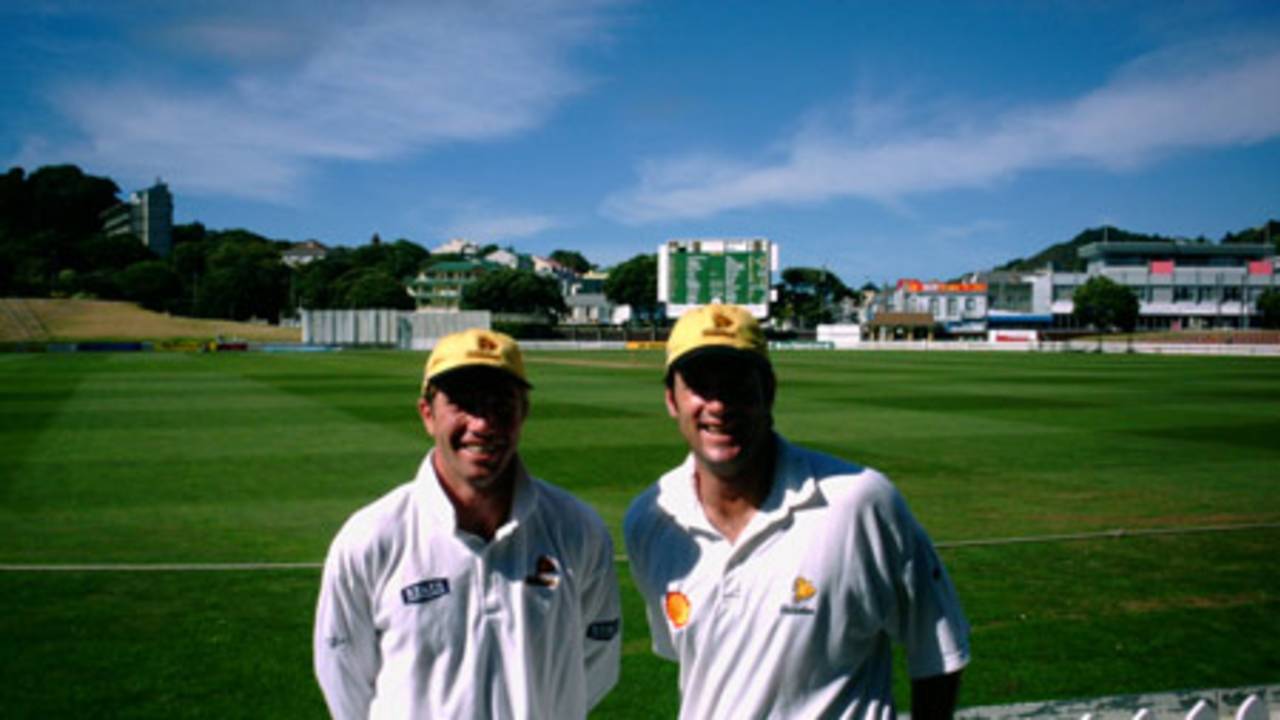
{"x":902,"y":319}
{"x":458,"y":266}
{"x":1175,"y":249}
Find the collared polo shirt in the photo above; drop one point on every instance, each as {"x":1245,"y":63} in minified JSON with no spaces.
{"x":797,"y":616}
{"x":418,"y":618}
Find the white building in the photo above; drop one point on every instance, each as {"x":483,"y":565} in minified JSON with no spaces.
{"x":509,"y":259}
{"x":457,"y":246}
{"x":304,"y":253}
{"x":147,"y":215}
{"x":955,"y":308}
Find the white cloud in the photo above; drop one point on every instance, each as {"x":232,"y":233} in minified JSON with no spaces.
{"x":362,"y":82}
{"x":1182,"y":98}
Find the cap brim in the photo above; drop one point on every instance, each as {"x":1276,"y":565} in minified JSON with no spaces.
{"x":711,"y":351}
{"x":477,"y":367}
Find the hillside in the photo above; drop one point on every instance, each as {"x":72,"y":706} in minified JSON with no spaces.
{"x":1064,"y":256}
{"x":41,"y":320}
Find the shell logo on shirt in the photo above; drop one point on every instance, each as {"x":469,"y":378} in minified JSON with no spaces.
{"x":802,"y":589}
{"x":546,"y":573}
{"x":678,"y":607}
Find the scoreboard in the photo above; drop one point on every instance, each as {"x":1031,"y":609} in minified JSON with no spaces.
{"x":703,"y":271}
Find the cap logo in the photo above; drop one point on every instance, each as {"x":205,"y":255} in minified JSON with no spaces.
{"x":678,"y":608}
{"x":486,"y":349}
{"x":802,"y":589}
{"x":723,"y":326}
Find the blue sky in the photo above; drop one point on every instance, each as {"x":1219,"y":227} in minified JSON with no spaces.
{"x":878,"y":139}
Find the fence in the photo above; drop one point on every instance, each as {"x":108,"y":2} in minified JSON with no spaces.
{"x":387,"y":328}
{"x":1077,"y":346}
{"x":1250,"y":703}
{"x":350,"y":327}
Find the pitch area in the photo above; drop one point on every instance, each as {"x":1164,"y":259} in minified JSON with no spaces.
{"x":237,"y":458}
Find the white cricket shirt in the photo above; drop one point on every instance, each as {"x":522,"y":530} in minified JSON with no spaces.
{"x":796,"y":618}
{"x":419,"y":619}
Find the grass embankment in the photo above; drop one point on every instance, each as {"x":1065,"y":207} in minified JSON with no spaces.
{"x":44,"y":320}
{"x":148,"y":457}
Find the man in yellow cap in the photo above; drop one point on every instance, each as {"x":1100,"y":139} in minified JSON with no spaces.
{"x":776,"y":576}
{"x":476,"y":590}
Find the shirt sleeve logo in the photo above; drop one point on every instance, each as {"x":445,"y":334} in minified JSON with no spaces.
{"x":425,"y":591}
{"x":678,"y":608}
{"x":603,"y":631}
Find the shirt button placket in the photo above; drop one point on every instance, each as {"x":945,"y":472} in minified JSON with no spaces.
{"x":490,"y":589}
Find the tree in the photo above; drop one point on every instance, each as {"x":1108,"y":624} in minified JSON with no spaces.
{"x":514,"y":291}
{"x":376,"y":288}
{"x":152,"y":284}
{"x":635,"y":283}
{"x":331,"y":282}
{"x":245,"y":278}
{"x":405,"y":258}
{"x":573,"y":260}
{"x":112,"y":253}
{"x":809,"y":296}
{"x":1106,"y":305}
{"x":319,"y":286}
{"x":1269,"y":308}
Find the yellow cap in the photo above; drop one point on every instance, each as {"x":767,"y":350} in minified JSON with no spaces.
{"x":716,"y":326}
{"x":475,"y":348}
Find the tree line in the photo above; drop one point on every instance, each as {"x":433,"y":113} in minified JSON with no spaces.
{"x":52,"y":245}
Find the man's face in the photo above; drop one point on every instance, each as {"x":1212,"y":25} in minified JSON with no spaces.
{"x":723,"y":409}
{"x":475,"y":419}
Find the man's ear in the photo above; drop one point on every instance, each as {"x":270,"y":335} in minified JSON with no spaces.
{"x":670,"y":396}
{"x":424,"y":411}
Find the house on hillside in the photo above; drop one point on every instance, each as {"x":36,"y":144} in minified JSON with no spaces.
{"x":458,"y":246}
{"x":587,"y":303}
{"x":439,"y":286}
{"x":304,"y":253}
{"x":509,"y":259}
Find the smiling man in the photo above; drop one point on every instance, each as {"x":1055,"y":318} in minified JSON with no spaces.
{"x":776,"y":576}
{"x":475,"y":590}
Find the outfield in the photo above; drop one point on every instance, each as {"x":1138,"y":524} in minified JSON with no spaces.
{"x":230,"y":458}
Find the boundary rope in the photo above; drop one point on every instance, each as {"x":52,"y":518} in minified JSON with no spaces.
{"x":1114,"y":534}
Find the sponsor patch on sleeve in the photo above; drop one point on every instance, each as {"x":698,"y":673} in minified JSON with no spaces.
{"x":604,"y":630}
{"x":425,"y":591}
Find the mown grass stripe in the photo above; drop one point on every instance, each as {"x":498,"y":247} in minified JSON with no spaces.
{"x":1116,"y":534}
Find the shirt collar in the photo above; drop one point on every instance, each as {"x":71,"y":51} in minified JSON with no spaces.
{"x":438,"y":505}
{"x":793,"y":487}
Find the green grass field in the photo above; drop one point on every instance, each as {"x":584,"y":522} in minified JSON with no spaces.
{"x":165,"y":458}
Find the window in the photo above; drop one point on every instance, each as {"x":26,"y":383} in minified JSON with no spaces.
{"x":1231,"y":293}
{"x":1183,"y":293}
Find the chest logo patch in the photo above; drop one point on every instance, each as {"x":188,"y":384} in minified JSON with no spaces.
{"x":546,"y":572}
{"x":678,"y":608}
{"x":802,"y":589}
{"x":425,"y":591}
